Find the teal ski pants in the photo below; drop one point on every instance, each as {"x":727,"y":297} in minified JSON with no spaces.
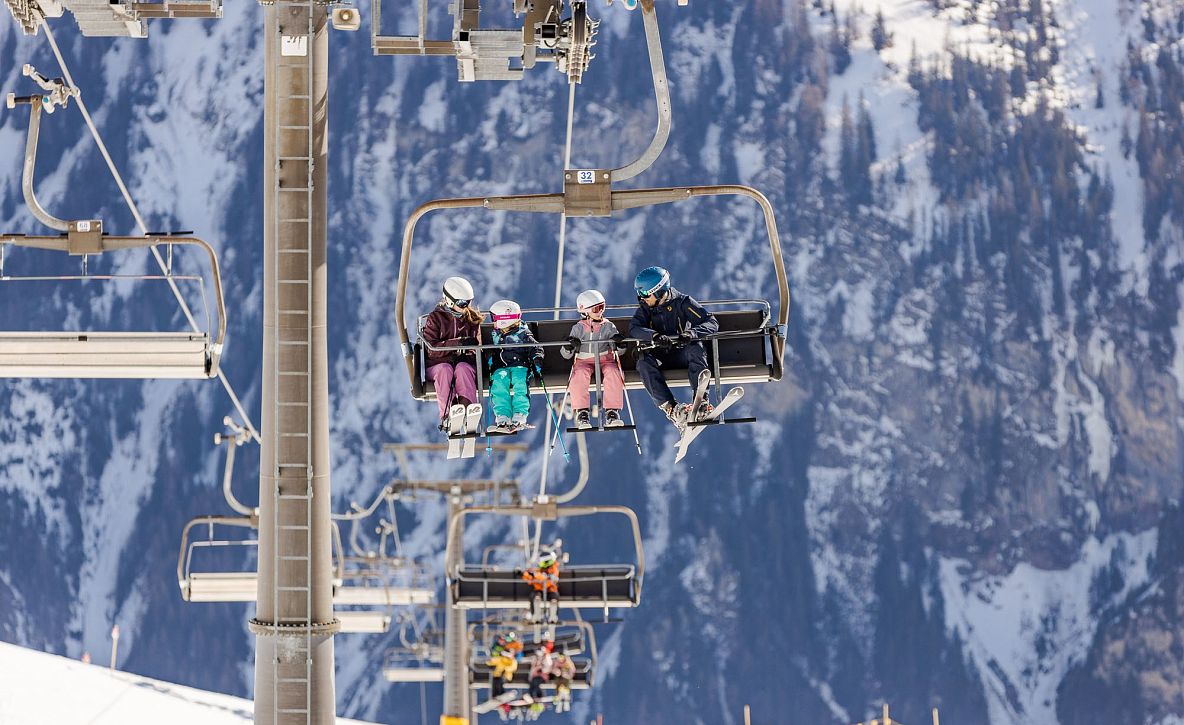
{"x":509,"y":393}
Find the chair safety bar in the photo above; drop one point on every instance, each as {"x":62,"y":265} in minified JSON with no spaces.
{"x":114,"y":354}
{"x":739,"y":348}
{"x":616,"y":201}
{"x":582,"y":680}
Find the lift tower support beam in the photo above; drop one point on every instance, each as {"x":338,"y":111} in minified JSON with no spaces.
{"x":294,"y":622}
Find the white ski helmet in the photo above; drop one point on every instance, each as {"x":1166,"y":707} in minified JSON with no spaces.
{"x":589,"y":299}
{"x":506,"y":313}
{"x":458,"y":292}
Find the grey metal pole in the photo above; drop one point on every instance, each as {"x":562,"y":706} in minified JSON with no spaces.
{"x":294,"y":621}
{"x":456,"y":644}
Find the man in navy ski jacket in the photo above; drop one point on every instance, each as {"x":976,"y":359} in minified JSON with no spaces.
{"x":675,"y":323}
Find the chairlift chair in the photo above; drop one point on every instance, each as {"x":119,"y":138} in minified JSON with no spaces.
{"x":579,"y":644}
{"x":101,"y":354}
{"x":749,"y":347}
{"x":349,"y":588}
{"x":580,"y":586}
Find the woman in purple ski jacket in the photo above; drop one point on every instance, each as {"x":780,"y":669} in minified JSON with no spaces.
{"x":455,"y":322}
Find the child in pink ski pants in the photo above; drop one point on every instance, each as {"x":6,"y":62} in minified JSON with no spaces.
{"x":593,"y":338}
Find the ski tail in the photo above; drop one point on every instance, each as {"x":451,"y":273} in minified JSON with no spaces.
{"x":472,"y":420}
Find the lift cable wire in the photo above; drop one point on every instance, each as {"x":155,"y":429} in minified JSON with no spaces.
{"x":538,"y":526}
{"x":131,"y":205}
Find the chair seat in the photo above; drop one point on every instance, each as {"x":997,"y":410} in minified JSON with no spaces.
{"x":106,"y":355}
{"x":579,"y":586}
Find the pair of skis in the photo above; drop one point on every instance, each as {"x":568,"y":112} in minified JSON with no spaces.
{"x":462,"y":430}
{"x":463,"y":423}
{"x":696,"y":424}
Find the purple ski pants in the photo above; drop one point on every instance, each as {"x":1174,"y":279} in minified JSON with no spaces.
{"x":461,"y":379}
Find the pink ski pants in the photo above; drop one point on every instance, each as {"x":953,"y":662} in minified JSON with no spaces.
{"x":583,"y":376}
{"x":442,"y":374}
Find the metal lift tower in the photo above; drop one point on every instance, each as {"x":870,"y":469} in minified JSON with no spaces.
{"x":294,"y":623}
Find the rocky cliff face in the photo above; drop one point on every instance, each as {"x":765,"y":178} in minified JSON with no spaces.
{"x":956,"y":498}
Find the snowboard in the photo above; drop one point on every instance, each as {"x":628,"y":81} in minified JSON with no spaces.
{"x":494,"y":703}
{"x":691,"y":432}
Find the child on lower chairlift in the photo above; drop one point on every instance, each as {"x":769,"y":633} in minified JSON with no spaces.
{"x":591,"y":338}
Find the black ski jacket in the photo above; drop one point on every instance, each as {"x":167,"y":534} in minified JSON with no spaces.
{"x":679,"y":313}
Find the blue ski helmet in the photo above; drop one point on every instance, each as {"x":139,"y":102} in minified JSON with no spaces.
{"x":651,"y":280}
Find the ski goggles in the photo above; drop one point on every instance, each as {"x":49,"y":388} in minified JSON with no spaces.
{"x":506,"y":318}
{"x":460,"y":303}
{"x":594,"y":309}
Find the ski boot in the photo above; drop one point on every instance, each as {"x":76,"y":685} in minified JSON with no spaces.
{"x":501,"y":424}
{"x":677,"y":413}
{"x":612,"y":419}
{"x":583,"y":420}
{"x":518,"y":422}
{"x":703,"y":410}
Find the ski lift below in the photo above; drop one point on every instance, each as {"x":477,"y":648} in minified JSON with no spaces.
{"x":604,"y":587}
{"x":242,"y":586}
{"x":573,"y":642}
{"x":749,"y":348}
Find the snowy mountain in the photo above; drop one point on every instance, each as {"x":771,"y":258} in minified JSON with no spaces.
{"x":43,"y":688}
{"x":962,"y":495}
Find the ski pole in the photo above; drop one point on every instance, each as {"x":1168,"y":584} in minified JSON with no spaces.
{"x":563,"y":403}
{"x":554,"y":418}
{"x":488,"y":421}
{"x":629,"y":405}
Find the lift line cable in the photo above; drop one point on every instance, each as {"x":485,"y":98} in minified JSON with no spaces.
{"x":571,"y":112}
{"x":131,"y":205}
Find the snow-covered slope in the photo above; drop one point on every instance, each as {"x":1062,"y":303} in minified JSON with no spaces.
{"x":42,"y":688}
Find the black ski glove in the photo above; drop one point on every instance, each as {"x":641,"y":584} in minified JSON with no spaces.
{"x":619,"y":340}
{"x":468,"y":342}
{"x":663,"y":341}
{"x":686,"y":337}
{"x":573,"y":344}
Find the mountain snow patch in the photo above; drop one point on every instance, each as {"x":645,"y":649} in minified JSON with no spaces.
{"x":1023,"y":631}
